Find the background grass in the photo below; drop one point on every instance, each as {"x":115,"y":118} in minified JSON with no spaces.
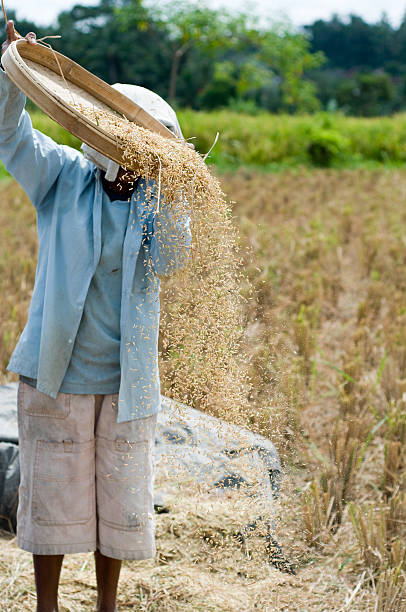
{"x":276,"y":142}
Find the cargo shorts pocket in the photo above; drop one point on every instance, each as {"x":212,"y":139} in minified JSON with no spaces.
{"x":64,"y":483}
{"x":124,"y":480}
{"x":36,"y":403}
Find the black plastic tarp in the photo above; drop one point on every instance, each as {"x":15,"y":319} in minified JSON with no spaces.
{"x":9,"y":481}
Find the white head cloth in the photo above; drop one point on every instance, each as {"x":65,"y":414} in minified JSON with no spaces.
{"x":150,"y":102}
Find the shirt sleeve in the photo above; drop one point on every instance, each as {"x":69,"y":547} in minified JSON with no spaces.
{"x":32,"y":158}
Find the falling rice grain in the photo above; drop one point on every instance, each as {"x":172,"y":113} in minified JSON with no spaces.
{"x":201,"y":330}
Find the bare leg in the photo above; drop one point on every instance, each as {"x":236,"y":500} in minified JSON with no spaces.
{"x":107,"y":575}
{"x":47,"y":570}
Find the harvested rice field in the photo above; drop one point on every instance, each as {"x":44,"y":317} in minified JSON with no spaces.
{"x":325,"y":344}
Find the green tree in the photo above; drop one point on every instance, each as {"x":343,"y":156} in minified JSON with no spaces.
{"x":190,"y":26}
{"x":241,"y":56}
{"x":367,"y":94}
{"x":192,"y":54}
{"x":94,"y":37}
{"x":289,"y":55}
{"x":354,"y":43}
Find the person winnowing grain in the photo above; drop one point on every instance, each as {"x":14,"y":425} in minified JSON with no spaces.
{"x":89,"y":390}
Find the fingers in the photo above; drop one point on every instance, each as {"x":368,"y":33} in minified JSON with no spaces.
{"x":31,"y":38}
{"x":13,"y":35}
{"x":11,"y":32}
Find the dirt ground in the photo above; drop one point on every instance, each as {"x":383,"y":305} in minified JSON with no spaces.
{"x":199,"y":567}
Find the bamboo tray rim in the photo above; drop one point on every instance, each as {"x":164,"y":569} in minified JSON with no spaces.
{"x":64,"y":113}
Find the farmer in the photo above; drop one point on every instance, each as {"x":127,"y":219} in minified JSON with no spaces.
{"x":89,"y":388}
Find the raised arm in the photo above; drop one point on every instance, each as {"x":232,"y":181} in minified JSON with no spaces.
{"x":34,"y":159}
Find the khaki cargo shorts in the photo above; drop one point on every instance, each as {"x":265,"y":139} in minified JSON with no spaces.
{"x":86,"y":480}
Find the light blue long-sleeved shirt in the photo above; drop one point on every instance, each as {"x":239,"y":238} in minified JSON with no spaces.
{"x":67,"y":192}
{"x":95,"y":365}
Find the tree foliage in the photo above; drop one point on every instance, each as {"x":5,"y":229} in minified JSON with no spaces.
{"x":204,"y":58}
{"x":191,"y":54}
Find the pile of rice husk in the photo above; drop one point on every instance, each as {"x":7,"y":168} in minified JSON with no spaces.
{"x":202,"y":326}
